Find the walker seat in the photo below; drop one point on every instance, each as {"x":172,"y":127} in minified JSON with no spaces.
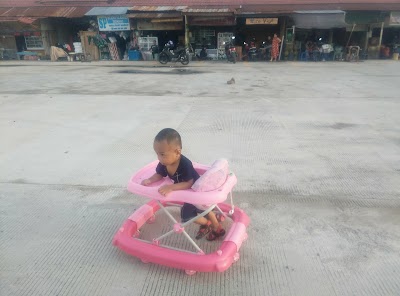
{"x":128,"y":237}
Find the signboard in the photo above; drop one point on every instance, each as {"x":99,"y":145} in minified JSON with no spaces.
{"x":394,"y":18}
{"x":148,"y":25}
{"x":212,"y":21}
{"x":262,"y":21}
{"x":113,"y":23}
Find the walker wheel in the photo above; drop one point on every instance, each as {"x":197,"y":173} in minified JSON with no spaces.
{"x":151,"y":220}
{"x":190,"y":272}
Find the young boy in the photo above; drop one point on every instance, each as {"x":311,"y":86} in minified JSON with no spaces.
{"x":168,"y":146}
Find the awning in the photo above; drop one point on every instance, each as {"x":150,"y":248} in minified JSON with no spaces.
{"x":328,"y":19}
{"x":107,"y":11}
{"x":157,"y":8}
{"x":154,"y":15}
{"x":208,"y":11}
{"x":13,"y":27}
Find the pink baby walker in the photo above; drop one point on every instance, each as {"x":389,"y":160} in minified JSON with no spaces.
{"x":210,"y":198}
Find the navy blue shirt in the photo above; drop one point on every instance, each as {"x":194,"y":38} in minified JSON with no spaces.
{"x":185,"y":171}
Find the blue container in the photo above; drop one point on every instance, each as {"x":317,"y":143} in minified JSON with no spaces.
{"x":134,"y":55}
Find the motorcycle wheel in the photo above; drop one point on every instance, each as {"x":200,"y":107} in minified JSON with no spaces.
{"x":233,"y":58}
{"x":163,"y":59}
{"x":185,"y":59}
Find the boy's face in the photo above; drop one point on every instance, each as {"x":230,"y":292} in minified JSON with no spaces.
{"x":167,"y":154}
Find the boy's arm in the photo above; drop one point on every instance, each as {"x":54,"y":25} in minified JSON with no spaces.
{"x":156,"y":177}
{"x":164,"y":190}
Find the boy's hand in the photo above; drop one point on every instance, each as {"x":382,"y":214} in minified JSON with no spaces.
{"x":164,"y":190}
{"x":146,"y":182}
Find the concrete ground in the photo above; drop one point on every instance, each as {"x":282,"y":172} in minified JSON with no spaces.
{"x":315,"y":146}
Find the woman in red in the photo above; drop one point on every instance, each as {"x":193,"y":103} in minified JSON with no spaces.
{"x":275,"y":47}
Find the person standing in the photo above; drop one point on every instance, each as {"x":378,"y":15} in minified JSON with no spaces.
{"x":275,"y":48}
{"x":154,"y":50}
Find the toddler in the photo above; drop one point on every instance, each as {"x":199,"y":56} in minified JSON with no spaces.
{"x":168,"y":147}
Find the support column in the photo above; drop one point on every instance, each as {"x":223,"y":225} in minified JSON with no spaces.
{"x":380,"y":37}
{"x":282,"y":28}
{"x":186,"y":32}
{"x":330,"y":41}
{"x":380,"y":41}
{"x":367,"y":34}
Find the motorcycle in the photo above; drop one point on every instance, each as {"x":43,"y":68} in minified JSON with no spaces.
{"x":230,"y":51}
{"x":178,"y":55}
{"x":253,"y":51}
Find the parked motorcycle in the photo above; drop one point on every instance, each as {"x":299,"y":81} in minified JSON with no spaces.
{"x":178,"y":55}
{"x":266,"y":51}
{"x":230,"y":51}
{"x":253,"y":54}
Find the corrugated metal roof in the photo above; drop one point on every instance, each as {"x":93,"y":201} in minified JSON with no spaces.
{"x":44,"y":12}
{"x":208,"y":3}
{"x":63,"y":3}
{"x":107,"y":10}
{"x":283,"y":8}
{"x":23,"y":20}
{"x":157,"y":8}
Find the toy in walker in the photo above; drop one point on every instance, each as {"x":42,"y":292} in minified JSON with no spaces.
{"x":128,"y":236}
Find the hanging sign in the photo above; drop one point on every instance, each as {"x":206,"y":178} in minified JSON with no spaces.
{"x":113,"y":23}
{"x":262,"y":21}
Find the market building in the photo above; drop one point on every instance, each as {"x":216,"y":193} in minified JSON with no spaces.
{"x":124,"y":29}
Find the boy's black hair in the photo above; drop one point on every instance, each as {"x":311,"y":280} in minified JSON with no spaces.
{"x":170,"y":135}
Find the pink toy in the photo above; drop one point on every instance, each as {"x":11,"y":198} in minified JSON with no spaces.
{"x":127,"y":237}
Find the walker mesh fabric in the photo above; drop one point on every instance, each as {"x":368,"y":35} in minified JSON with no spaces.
{"x":213,"y":178}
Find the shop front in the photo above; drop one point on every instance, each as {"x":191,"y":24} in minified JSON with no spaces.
{"x":17,"y":37}
{"x":316,"y":35}
{"x":209,"y":30}
{"x":367,"y":29}
{"x":153,"y":30}
{"x":36,"y":38}
{"x":254,"y":32}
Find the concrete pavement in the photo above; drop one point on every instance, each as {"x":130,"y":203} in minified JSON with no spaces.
{"x":315,"y":146}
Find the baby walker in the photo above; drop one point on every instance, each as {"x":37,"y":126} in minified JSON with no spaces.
{"x":128,"y":236}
